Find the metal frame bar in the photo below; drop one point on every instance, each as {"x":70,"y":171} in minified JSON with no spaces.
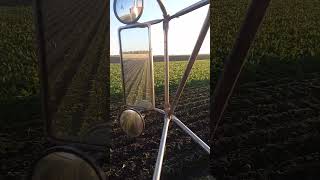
{"x":166,"y":66}
{"x":195,"y":138}
{"x":192,"y":59}
{"x":187,"y":130}
{"x":191,"y":134}
{"x":168,"y":111}
{"x":166,"y":19}
{"x":190,"y":8}
{"x":162,"y":7}
{"x":162,"y":147}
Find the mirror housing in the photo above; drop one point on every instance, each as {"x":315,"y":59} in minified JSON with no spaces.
{"x":137,"y":66}
{"x":132,"y":122}
{"x":65,"y":163}
{"x":128,"y":11}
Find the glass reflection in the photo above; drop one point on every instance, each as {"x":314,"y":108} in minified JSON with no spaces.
{"x":128,"y":10}
{"x":137,"y":68}
{"x":63,"y":166}
{"x":75,"y":33}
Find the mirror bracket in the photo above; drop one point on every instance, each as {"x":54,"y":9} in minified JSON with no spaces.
{"x":163,"y":8}
{"x":122,"y":20}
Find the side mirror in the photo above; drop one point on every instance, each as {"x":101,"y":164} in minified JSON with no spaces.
{"x":137,"y":67}
{"x":72,"y":39}
{"x":128,"y":11}
{"x":65,"y":163}
{"x":132,"y":122}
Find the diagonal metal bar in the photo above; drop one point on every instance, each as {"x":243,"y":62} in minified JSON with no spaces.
{"x":187,"y":130}
{"x":191,"y":134}
{"x":157,"y":170}
{"x":162,"y":7}
{"x":192,"y":59}
{"x":152,"y":22}
{"x":190,"y":8}
{"x":236,"y":60}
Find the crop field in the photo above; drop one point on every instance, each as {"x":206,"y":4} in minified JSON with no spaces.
{"x":77,"y":76}
{"x":182,"y":155}
{"x":270,"y":129}
{"x":18,"y":78}
{"x":77,"y":72}
{"x":199,"y":76}
{"x":137,"y":78}
{"x":74,"y":86}
{"x":135,"y":157}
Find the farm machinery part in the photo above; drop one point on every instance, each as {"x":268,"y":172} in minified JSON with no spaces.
{"x":142,"y":100}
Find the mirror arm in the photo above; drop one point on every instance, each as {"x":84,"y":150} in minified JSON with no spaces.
{"x":162,"y":7}
{"x":190,"y":8}
{"x":153,"y":21}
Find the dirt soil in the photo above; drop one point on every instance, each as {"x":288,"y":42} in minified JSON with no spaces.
{"x":23,"y":141}
{"x":271,"y":128}
{"x":134,"y":158}
{"x":269,"y":131}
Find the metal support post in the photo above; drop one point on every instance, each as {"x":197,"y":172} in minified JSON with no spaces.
{"x":157,"y":170}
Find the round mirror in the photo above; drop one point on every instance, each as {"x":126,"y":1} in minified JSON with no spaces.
{"x":131,"y":122}
{"x":128,"y":11}
{"x":65,"y":166}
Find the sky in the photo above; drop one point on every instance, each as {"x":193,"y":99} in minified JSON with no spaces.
{"x":183,"y":31}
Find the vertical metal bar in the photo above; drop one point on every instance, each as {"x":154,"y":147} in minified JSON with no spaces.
{"x":121,"y":63}
{"x":192,"y":59}
{"x":157,"y":170}
{"x":151,"y":68}
{"x":166,"y":19}
{"x":191,"y":134}
{"x":166,"y":66}
{"x":236,"y":60}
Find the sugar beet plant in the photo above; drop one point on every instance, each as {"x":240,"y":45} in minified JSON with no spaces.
{"x":289,"y":31}
{"x":18,"y":72}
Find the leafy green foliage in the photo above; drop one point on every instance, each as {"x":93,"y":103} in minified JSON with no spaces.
{"x":290,"y":29}
{"x":18,"y":72}
{"x":200,"y":75}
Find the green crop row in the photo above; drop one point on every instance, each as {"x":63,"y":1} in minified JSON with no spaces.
{"x":289,"y":32}
{"x":18,"y":72}
{"x":200,"y":75}
{"x":290,"y":29}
